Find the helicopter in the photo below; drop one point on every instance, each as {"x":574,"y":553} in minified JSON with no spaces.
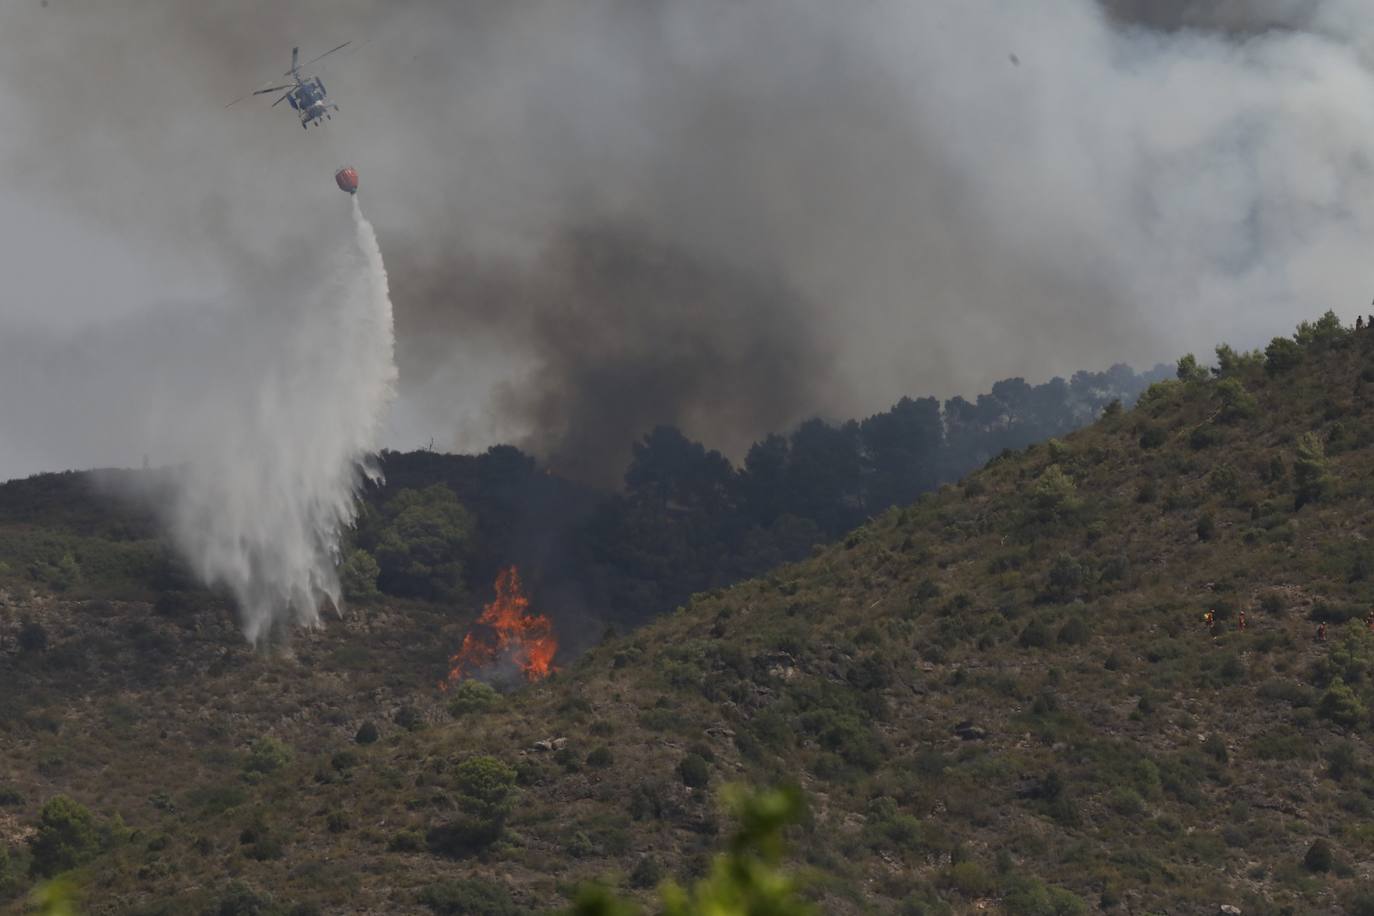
{"x":307,"y":94}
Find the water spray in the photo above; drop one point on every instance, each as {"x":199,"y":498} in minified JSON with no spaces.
{"x":263,"y":511}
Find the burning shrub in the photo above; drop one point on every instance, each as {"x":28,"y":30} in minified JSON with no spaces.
{"x":506,"y":633}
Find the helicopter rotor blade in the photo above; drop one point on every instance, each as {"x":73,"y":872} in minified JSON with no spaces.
{"x":271,"y":89}
{"x":280,"y":100}
{"x":327,"y":53}
{"x":295,"y":55}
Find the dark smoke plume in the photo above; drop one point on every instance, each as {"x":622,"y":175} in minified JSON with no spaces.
{"x":1237,"y":17}
{"x":625,"y":333}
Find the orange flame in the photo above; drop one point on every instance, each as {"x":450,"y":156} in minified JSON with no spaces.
{"x":506,"y":630}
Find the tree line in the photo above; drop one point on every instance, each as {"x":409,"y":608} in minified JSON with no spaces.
{"x":688,"y":519}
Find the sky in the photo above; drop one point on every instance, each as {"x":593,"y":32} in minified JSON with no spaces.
{"x":605,"y":214}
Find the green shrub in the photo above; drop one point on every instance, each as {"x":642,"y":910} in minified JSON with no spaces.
{"x":420,"y":539}
{"x":66,"y":837}
{"x":1035,"y":636}
{"x":1311,"y":478}
{"x":367,"y":733}
{"x":1054,"y":496}
{"x":1153,"y":437}
{"x":567,"y":758}
{"x":267,"y":755}
{"x":1319,"y":857}
{"x":33,"y":637}
{"x":744,"y":879}
{"x":1282,"y":355}
{"x":1030,"y":897}
{"x":1126,"y":802}
{"x":1189,"y":371}
{"x":1067,"y":578}
{"x":1203,"y":437}
{"x":486,"y":790}
{"x":1074,"y":632}
{"x":1237,"y":403}
{"x":358,"y":576}
{"x":266,"y":848}
{"x":1230,"y":362}
{"x":471,"y":697}
{"x":647,"y":873}
{"x":241,"y":900}
{"x":1322,"y":334}
{"x":1340,"y":705}
{"x":405,"y":841}
{"x":600,"y":758}
{"x":970,"y":879}
{"x":1360,"y":902}
{"x":694,"y":771}
{"x":468,"y":897}
{"x":343,"y":761}
{"x":409,"y":718}
{"x":9,"y":881}
{"x":1341,"y":761}
{"x":1225,"y":481}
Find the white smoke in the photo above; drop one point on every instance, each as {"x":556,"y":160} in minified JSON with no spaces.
{"x":277,"y":456}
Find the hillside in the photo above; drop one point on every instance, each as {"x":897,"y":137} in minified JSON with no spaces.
{"x":1003,"y":698}
{"x":687,"y":520}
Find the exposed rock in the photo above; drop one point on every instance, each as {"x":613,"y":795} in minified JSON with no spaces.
{"x":970,"y":732}
{"x":1228,"y":910}
{"x":549,"y":745}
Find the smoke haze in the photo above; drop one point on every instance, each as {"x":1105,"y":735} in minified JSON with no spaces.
{"x":729,"y":216}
